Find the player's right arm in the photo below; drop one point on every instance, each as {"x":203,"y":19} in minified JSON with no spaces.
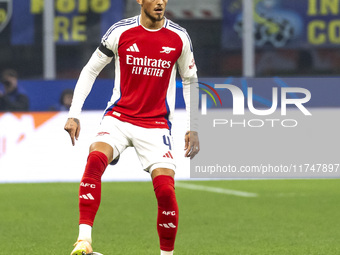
{"x":99,"y":59}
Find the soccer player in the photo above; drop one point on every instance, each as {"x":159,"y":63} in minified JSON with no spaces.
{"x":147,"y":50}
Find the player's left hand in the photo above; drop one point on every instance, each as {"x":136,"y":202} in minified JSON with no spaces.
{"x":192,"y":144}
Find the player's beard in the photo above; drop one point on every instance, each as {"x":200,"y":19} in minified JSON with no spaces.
{"x":152,"y":18}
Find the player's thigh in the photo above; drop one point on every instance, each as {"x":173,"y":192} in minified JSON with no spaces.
{"x":110,"y":134}
{"x":154,"y":148}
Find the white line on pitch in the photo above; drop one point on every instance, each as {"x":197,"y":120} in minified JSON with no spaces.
{"x":215,"y":189}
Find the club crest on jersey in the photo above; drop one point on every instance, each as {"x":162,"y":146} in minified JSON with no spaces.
{"x":6,"y":9}
{"x":167,"y":50}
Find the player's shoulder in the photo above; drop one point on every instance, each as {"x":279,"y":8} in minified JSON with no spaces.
{"x":180,"y":31}
{"x":122,"y":25}
{"x":169,"y":24}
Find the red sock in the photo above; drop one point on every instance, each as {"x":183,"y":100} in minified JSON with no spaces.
{"x":167,"y":219}
{"x":90,"y":187}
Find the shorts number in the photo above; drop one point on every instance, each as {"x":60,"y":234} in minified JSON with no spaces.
{"x":166,"y":141}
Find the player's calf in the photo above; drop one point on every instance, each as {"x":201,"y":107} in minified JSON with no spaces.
{"x":167,"y":219}
{"x":90,"y":187}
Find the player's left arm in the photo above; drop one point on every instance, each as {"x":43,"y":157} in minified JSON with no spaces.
{"x":192,"y":144}
{"x":188,"y":71}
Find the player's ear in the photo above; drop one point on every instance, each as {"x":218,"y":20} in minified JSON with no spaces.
{"x":139,"y":2}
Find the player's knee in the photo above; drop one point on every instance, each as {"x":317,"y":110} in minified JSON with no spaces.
{"x":164,"y":188}
{"x":96,"y":164}
{"x":165,"y":191}
{"x":104,"y":148}
{"x":97,"y":157}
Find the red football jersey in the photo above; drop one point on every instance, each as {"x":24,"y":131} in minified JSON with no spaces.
{"x":145,"y":71}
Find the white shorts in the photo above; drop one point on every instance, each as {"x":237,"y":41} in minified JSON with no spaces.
{"x":154,"y":146}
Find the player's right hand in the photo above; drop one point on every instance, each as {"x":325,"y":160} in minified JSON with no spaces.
{"x":72,"y":126}
{"x":192,"y":144}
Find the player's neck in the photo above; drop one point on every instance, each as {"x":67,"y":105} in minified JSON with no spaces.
{"x":150,"y":23}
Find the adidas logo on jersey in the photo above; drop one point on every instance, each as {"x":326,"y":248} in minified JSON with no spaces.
{"x":87,"y":196}
{"x":133,"y":48}
{"x":167,"y":225}
{"x":167,"y":155}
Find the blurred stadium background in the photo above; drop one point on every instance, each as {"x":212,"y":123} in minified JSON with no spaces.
{"x":49,"y":46}
{"x":292,"y":37}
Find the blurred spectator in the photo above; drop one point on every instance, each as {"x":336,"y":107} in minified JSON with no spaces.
{"x":12,"y":97}
{"x":64,"y":101}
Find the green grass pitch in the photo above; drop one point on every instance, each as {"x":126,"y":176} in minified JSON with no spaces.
{"x":287,"y":217}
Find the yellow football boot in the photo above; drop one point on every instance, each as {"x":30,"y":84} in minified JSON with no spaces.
{"x":82,"y":248}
